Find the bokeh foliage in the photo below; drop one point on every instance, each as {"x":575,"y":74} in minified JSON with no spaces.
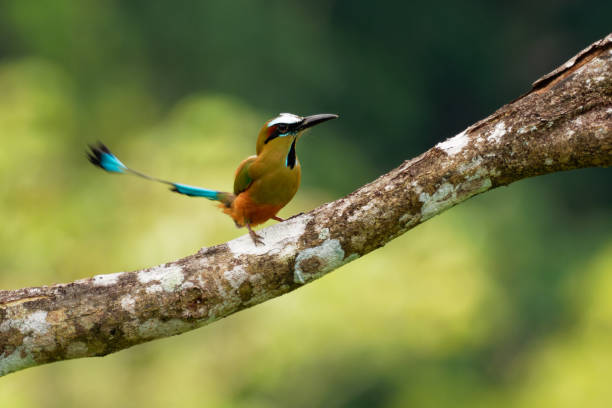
{"x":504,"y":300}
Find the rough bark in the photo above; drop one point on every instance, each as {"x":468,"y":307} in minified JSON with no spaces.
{"x":563,"y":123}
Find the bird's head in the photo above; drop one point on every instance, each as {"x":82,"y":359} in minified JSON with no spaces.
{"x":284,"y":130}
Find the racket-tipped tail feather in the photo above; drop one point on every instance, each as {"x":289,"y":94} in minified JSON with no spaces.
{"x":99,"y":155}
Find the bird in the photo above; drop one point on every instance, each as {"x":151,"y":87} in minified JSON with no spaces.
{"x":263,"y":183}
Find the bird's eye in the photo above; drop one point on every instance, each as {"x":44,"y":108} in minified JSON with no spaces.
{"x":282,"y":128}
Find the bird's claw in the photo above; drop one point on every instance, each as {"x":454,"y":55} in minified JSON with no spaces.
{"x":295,"y":216}
{"x":257,"y":239}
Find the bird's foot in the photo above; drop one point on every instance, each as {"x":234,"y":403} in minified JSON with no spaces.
{"x":279,"y":219}
{"x":257,"y":239}
{"x":296,"y":215}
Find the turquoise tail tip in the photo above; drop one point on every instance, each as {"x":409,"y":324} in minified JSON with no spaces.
{"x":193,"y":191}
{"x":102,"y":157}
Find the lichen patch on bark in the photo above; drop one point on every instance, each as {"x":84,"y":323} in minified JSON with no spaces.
{"x":455,"y":144}
{"x":166,"y":277}
{"x":316,"y":261}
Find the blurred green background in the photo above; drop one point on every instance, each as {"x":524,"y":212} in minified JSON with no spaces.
{"x":503,"y":301}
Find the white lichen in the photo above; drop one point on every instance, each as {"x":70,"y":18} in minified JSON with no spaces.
{"x":127,"y":303}
{"x":442,"y":198}
{"x":447,"y":194}
{"x":169,"y":278}
{"x":498,"y":132}
{"x":324,"y":233}
{"x":548,"y":161}
{"x":455,"y":144}
{"x":326,"y":257}
{"x":107,"y":279}
{"x":34,"y":323}
{"x":279,"y":239}
{"x":155,"y":288}
{"x":236,"y":277}
{"x":187,"y":285}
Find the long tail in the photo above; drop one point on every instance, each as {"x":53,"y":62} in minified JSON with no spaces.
{"x":102,"y":157}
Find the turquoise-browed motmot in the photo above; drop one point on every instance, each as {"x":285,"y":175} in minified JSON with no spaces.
{"x":263,"y":184}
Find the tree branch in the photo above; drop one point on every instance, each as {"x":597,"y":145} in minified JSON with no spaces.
{"x":563,"y":123}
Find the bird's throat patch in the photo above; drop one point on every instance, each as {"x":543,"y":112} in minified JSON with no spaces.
{"x":291,"y":158}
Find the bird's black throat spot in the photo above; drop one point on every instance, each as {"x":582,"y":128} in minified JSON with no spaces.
{"x":291,"y":158}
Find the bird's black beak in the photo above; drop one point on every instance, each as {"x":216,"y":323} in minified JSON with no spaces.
{"x":310,"y":121}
